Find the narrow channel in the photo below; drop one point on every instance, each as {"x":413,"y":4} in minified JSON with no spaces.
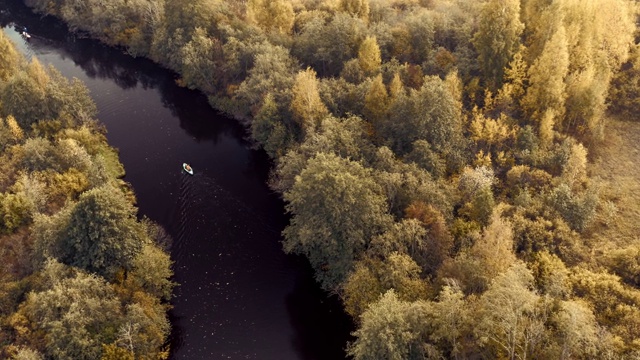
{"x":240,"y":296}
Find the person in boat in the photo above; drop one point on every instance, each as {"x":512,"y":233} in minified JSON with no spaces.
{"x":187,"y":167}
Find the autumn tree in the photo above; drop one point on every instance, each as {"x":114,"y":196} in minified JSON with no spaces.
{"x":336,"y":208}
{"x":498,"y":38}
{"x":357,"y":8}
{"x":103,"y":235}
{"x":396,"y":87}
{"x":432,"y":114}
{"x":75,"y":313}
{"x":373,"y":277}
{"x":577,"y":330}
{"x":269,"y":129}
{"x":376,"y":102}
{"x":272,"y":15}
{"x":306,"y":106}
{"x":451,"y":321}
{"x":151,"y":271}
{"x":9,"y":58}
{"x":273,"y":71}
{"x":326,"y":45}
{"x":547,"y":92}
{"x":511,"y":322}
{"x":437,"y":242}
{"x":624,"y":93}
{"x":361,"y":288}
{"x":490,"y":255}
{"x":369,"y":56}
{"x":386,"y":331}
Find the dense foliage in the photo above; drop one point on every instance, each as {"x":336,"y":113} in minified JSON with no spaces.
{"x":433,"y":154}
{"x":80,"y":277}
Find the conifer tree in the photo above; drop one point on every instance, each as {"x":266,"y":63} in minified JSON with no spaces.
{"x":369,"y":56}
{"x":8,"y":57}
{"x":396,"y":88}
{"x":376,"y":102}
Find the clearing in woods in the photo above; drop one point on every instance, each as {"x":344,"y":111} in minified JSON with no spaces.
{"x":617,"y":165}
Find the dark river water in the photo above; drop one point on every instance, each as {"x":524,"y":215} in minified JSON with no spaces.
{"x":240,"y":296}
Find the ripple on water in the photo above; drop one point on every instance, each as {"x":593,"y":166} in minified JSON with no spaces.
{"x":221,"y":238}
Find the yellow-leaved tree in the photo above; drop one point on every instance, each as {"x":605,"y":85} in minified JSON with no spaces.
{"x":369,"y":56}
{"x":272,"y":15}
{"x":306,"y":106}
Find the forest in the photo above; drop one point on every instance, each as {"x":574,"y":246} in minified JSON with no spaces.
{"x":81,"y":277}
{"x":436,"y":158}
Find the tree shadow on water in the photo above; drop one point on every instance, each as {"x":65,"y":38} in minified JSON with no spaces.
{"x":322,"y":327}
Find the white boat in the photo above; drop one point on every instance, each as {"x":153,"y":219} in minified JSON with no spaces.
{"x":187,"y":168}
{"x":26,"y":35}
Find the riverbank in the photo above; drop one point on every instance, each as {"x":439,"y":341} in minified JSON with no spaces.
{"x":69,"y":236}
{"x":173,"y":124}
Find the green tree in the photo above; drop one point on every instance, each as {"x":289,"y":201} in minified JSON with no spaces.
{"x":336,"y":208}
{"x":103,"y":235}
{"x":433,"y":114}
{"x":326,"y":46}
{"x":498,"y":38}
{"x":423,"y":155}
{"x":25,"y":98}
{"x":269,"y":130}
{"x":145,"y":328}
{"x":347,"y":138}
{"x":578,"y":210}
{"x":39,"y":94}
{"x":201,"y":58}
{"x":273,"y":71}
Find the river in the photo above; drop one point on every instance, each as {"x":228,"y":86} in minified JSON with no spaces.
{"x":240,"y":296}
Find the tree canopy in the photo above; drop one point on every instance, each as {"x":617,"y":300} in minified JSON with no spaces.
{"x":436,"y":159}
